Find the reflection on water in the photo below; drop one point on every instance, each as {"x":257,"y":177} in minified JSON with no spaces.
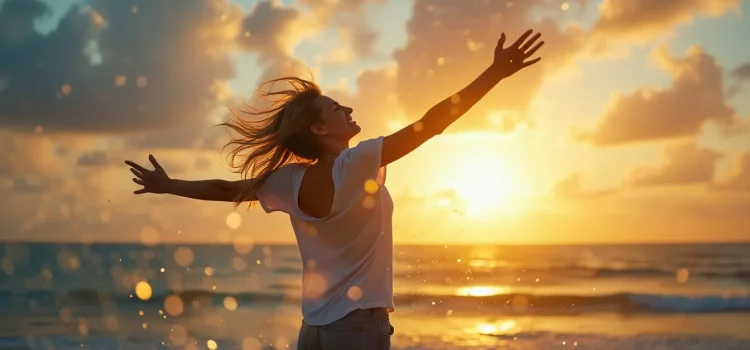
{"x":138,"y":296}
{"x":493,"y":328}
{"x":482,"y":291}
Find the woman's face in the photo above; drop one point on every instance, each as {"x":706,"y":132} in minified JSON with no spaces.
{"x":335,"y":120}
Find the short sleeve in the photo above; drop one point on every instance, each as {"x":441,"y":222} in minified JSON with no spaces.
{"x":277,"y":192}
{"x":362,"y":162}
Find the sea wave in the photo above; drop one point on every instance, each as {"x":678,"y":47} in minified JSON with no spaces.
{"x":503,"y":303}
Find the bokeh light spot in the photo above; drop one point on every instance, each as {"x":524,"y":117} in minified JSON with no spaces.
{"x":143,"y":290}
{"x":682,"y":275}
{"x":455,"y":98}
{"x":354,"y":293}
{"x":183,"y":256}
{"x":173,"y":305}
{"x":230,"y":303}
{"x":371,"y":186}
{"x":314,"y":285}
{"x":121,"y":80}
{"x":368,"y":202}
{"x":308,"y":228}
{"x":234,"y":220}
{"x":243,"y":244}
{"x":149,"y":236}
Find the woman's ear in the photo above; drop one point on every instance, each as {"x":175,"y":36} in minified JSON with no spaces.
{"x":318,"y":129}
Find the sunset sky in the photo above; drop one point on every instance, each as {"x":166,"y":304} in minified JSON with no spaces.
{"x":634,"y":127}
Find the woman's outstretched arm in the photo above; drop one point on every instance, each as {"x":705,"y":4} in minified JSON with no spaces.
{"x":507,"y":61}
{"x":157,"y":181}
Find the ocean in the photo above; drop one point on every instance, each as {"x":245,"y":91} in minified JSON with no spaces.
{"x":119,"y":296}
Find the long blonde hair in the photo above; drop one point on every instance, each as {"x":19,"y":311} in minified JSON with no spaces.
{"x":275,"y":136}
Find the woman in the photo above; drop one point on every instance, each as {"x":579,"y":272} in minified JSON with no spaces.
{"x":298,"y":161}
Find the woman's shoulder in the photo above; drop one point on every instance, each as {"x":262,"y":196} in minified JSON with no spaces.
{"x":288,"y":169}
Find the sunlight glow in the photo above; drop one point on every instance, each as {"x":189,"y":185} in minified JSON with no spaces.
{"x":481,"y":291}
{"x":503,"y":327}
{"x":486,"y":184}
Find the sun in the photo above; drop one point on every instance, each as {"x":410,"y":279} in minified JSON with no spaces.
{"x":482,"y":190}
{"x":485,"y":184}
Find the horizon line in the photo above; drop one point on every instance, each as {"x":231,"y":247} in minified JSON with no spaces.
{"x":515,"y":244}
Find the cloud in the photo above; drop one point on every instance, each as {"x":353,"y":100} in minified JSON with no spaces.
{"x":452,"y":42}
{"x":115,"y":66}
{"x":571,"y":188}
{"x":95,"y":158}
{"x":29,"y":154}
{"x":269,"y":30}
{"x":742,"y":72}
{"x":350,"y":19}
{"x":638,"y":19}
{"x":694,"y":98}
{"x":273,"y":30}
{"x":739,"y":179}
{"x":683,"y":165}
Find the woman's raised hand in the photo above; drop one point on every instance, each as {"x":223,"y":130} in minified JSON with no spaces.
{"x":153,"y":181}
{"x":511,"y":59}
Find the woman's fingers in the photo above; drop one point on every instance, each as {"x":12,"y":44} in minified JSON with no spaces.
{"x":154,"y":162}
{"x":533,"y":49}
{"x":142,"y":190}
{"x":136,"y":166}
{"x":526,"y":64}
{"x":136,"y":173}
{"x":501,"y":41}
{"x":138,"y":181}
{"x":531,"y":41}
{"x":522,"y":38}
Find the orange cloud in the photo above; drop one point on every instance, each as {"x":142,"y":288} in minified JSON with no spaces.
{"x":350,"y":18}
{"x":450,"y":43}
{"x":571,"y":188}
{"x":269,"y":29}
{"x":645,"y":18}
{"x":739,"y":179}
{"x":695,"y":97}
{"x":37,"y":155}
{"x":683,"y":165}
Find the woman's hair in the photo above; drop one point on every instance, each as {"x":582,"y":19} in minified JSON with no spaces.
{"x":276,"y":135}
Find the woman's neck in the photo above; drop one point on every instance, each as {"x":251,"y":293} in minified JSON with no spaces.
{"x":331,"y":150}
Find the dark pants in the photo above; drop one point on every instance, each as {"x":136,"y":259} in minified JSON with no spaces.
{"x":364,"y":329}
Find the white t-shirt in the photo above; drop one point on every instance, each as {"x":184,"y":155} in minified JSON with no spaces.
{"x":347,"y":255}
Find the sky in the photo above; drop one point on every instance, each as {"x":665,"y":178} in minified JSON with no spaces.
{"x":634,"y":127}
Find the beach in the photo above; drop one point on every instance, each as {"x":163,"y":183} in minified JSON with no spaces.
{"x":63,"y":296}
